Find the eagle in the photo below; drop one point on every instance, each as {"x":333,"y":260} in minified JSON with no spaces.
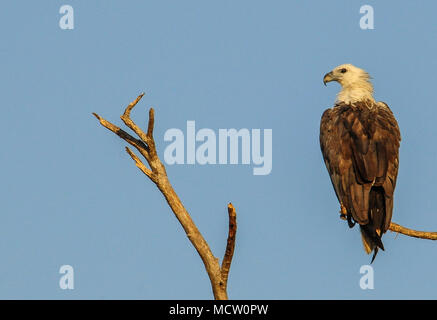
{"x":360,"y":140}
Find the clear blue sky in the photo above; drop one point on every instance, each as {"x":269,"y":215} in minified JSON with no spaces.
{"x":71,"y":195}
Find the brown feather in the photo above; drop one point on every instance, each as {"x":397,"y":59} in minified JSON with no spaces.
{"x":360,"y":143}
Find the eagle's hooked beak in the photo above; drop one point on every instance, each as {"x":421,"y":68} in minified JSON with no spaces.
{"x":328,"y":77}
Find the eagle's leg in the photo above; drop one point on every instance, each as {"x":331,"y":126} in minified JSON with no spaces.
{"x":343,"y":212}
{"x":345,"y":216}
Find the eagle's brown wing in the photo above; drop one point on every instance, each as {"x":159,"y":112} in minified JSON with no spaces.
{"x":360,"y":144}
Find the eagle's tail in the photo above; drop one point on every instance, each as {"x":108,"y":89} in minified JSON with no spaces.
{"x":371,"y":233}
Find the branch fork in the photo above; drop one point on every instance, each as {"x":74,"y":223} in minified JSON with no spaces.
{"x":155,"y":171}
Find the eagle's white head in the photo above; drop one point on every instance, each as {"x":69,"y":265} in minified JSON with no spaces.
{"x":355,"y":83}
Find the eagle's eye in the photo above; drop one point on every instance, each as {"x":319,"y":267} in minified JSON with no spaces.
{"x":343,"y":70}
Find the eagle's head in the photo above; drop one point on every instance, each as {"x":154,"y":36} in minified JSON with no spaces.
{"x":355,"y":83}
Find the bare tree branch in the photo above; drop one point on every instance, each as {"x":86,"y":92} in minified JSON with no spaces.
{"x":406,"y":231}
{"x":230,"y":246}
{"x":146,"y":146}
{"x":151,"y":124}
{"x":412,"y":233}
{"x":140,"y":164}
{"x":138,"y":144}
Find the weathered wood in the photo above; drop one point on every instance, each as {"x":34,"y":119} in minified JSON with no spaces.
{"x":146,"y":146}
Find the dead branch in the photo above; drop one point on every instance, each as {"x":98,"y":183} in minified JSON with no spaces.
{"x":145,"y":145}
{"x":230,"y":246}
{"x":412,"y":233}
{"x":405,"y":231}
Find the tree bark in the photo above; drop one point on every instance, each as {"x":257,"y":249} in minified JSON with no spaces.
{"x":412,"y":233}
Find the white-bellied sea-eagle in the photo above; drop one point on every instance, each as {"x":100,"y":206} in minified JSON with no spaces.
{"x":360,"y":139}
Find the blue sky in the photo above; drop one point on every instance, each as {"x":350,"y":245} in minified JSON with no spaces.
{"x":71,"y":195}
